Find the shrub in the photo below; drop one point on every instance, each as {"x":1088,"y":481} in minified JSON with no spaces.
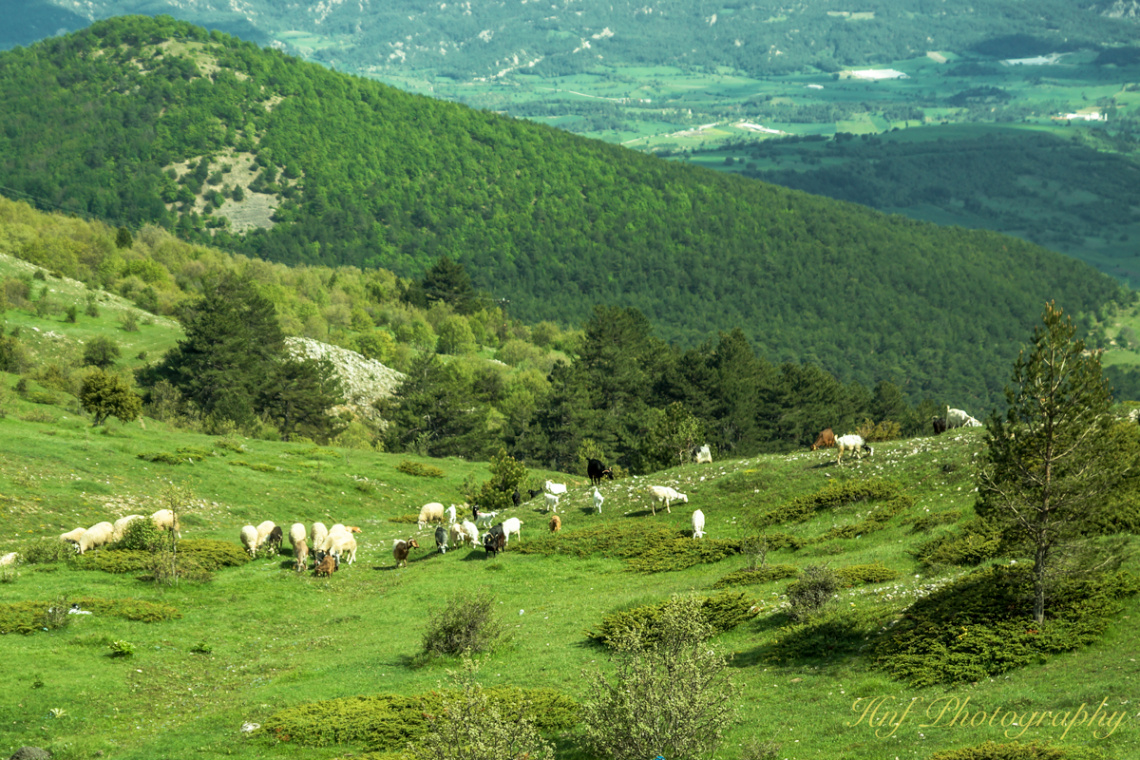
{"x":876,"y":519}
{"x":390,"y":721}
{"x":507,"y":474}
{"x":720,"y":613}
{"x":1017,"y":751}
{"x":887,"y":430}
{"x":834,"y":632}
{"x":104,"y":394}
{"x":120,"y":648}
{"x":256,"y":466}
{"x":144,"y":535}
{"x":647,"y":549}
{"x":982,"y":625}
{"x":466,"y":623}
{"x":471,"y":726}
{"x":38,"y":551}
{"x":933,"y":520}
{"x":197,"y":558}
{"x":129,"y":322}
{"x":419,"y":469}
{"x":873,"y":573}
{"x":671,"y":697}
{"x":747,"y":577}
{"x":101,"y":352}
{"x":812,"y":592}
{"x":31,"y":617}
{"x":973,"y":544}
{"x":415,"y":518}
{"x":833,"y":496}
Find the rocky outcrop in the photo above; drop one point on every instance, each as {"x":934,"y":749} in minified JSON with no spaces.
{"x":364,"y":380}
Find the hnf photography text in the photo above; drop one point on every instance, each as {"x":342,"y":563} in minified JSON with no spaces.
{"x":886,"y":715}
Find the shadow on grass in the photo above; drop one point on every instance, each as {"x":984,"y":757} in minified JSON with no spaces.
{"x":829,"y":640}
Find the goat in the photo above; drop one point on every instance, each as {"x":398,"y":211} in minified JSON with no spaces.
{"x":400,"y":549}
{"x":853,"y":443}
{"x":665,"y":494}
{"x":596,"y":470}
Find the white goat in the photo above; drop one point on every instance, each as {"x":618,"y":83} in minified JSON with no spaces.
{"x":665,"y":494}
{"x":450,"y":511}
{"x":598,"y":499}
{"x":698,"y":524}
{"x":551,"y":502}
{"x":853,"y":443}
{"x":554,"y":488}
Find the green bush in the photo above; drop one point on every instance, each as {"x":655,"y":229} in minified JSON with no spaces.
{"x":832,"y":496}
{"x":982,"y":625}
{"x":419,"y":469}
{"x":404,"y":519}
{"x":647,"y":549}
{"x":121,"y":648}
{"x":390,"y":721}
{"x":814,"y":590}
{"x":836,"y":632}
{"x":466,"y":623}
{"x":39,"y":551}
{"x":722,"y":612}
{"x":256,"y":466}
{"x":973,"y":544}
{"x":196,"y":558}
{"x":42,"y":397}
{"x":747,"y":577}
{"x":875,"y":519}
{"x":163,"y":457}
{"x":30,"y":617}
{"x":1017,"y":751}
{"x":934,"y":519}
{"x":507,"y":475}
{"x":144,"y":535}
{"x":853,"y":575}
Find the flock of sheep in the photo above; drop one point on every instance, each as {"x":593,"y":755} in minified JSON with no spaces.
{"x":104,"y":533}
{"x":330,"y":545}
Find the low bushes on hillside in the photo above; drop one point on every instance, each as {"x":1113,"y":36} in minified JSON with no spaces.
{"x":982,"y":625}
{"x":752,"y":577}
{"x":722,"y":612}
{"x":833,"y":496}
{"x":1018,"y":751}
{"x":646,"y":549}
{"x":853,"y":575}
{"x":972,"y":544}
{"x":197,"y":558}
{"x":419,"y":469}
{"x":465,"y":623}
{"x":876,"y":518}
{"x":30,"y":617}
{"x":390,"y":721}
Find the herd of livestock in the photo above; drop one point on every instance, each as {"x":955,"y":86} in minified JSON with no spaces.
{"x":331,"y":546}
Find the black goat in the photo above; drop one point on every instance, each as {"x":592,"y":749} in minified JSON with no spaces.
{"x":939,"y":425}
{"x":273,"y":542}
{"x":494,"y":542}
{"x":596,"y":470}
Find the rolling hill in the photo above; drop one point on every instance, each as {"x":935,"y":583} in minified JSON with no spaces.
{"x":139,"y":120}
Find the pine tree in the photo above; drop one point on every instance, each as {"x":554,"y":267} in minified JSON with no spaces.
{"x":1052,"y":463}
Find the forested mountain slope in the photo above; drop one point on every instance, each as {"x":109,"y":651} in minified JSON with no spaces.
{"x":136,"y":120}
{"x":493,"y":40}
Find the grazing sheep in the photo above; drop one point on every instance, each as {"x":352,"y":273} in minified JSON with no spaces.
{"x":249,"y":539}
{"x":703,"y":455}
{"x":493,"y":543}
{"x":337,"y":534}
{"x":327,"y":566}
{"x":9,"y":559}
{"x":400,"y":549}
{"x":301,"y":555}
{"x":826,"y":440}
{"x":665,"y":494}
{"x":164,"y":519}
{"x":551,"y":502}
{"x":342,"y":544}
{"x":596,"y":470}
{"x":263,"y":531}
{"x":470,"y":532}
{"x":319,"y":533}
{"x":598,"y":499}
{"x":853,"y":443}
{"x":555,"y":523}
{"x":441,"y":539}
{"x":450,"y":512}
{"x":430,"y":512}
{"x":121,"y":524}
{"x":555,"y":488}
{"x":73,"y":536}
{"x":273,"y":540}
{"x":296,"y":535}
{"x":95,"y":536}
{"x":698,"y":524}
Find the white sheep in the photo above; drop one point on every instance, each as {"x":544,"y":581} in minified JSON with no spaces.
{"x":698,"y":524}
{"x":665,"y":494}
{"x":73,"y":536}
{"x":471,"y":532}
{"x":297,"y":535}
{"x":120,"y":528}
{"x":249,"y":539}
{"x":430,"y":512}
{"x":554,"y":488}
{"x":342,"y":545}
{"x":263,"y":531}
{"x":450,"y":511}
{"x":551,"y":502}
{"x":336,"y":534}
{"x":319,"y":533}
{"x":598,"y":499}
{"x":9,"y":559}
{"x":95,"y":536}
{"x":853,"y":443}
{"x":164,"y":519}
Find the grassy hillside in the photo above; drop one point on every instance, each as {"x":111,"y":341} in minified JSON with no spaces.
{"x":346,"y":171}
{"x":259,"y":638}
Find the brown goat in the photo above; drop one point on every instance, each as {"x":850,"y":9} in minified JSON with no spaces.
{"x":826,"y":440}
{"x":400,"y":549}
{"x":327,"y":566}
{"x":301,"y":556}
{"x":555,"y":523}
